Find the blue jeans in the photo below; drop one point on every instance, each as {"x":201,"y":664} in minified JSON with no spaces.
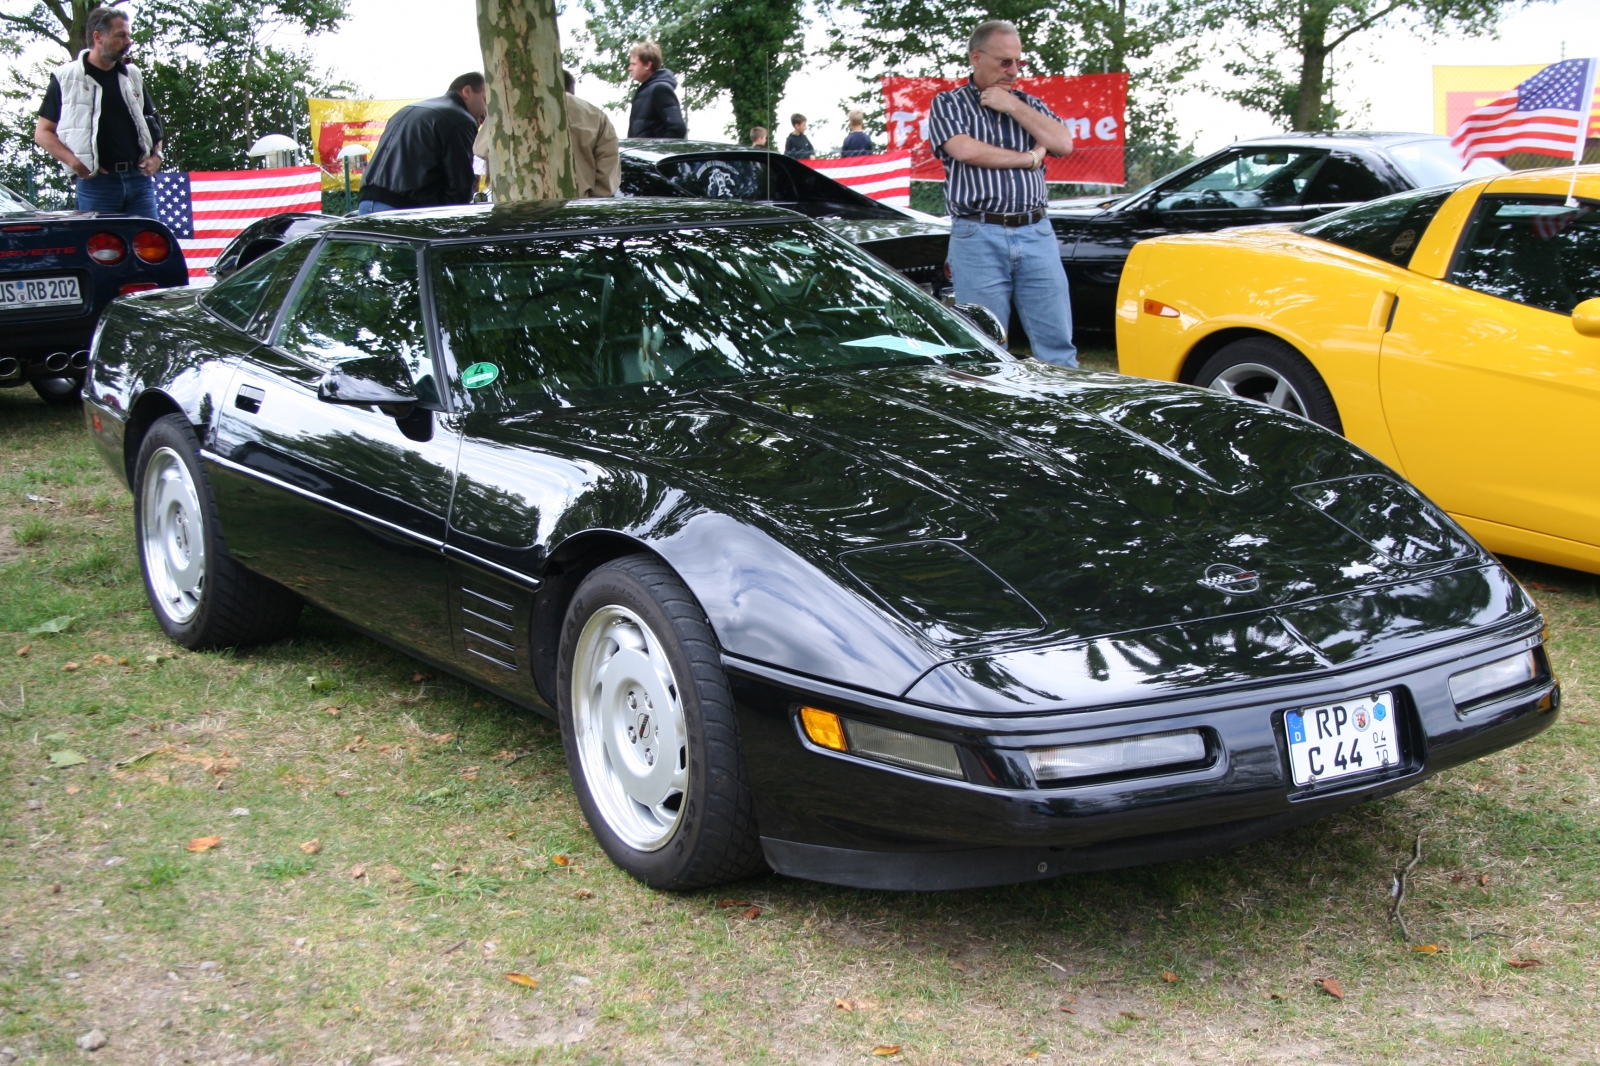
{"x":131,"y":193}
{"x":997,"y":265}
{"x":368,"y":207}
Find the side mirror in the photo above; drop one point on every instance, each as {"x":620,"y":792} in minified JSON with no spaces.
{"x":1586,"y":318}
{"x":987,"y":321}
{"x":381,"y":380}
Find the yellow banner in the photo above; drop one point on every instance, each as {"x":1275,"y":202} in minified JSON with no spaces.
{"x":1459,"y":91}
{"x":336,"y":123}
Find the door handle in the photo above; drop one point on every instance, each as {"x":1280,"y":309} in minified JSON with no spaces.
{"x":249,"y":398}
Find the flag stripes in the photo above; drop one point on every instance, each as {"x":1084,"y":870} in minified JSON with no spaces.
{"x":885,"y":178}
{"x":207,"y":209}
{"x":1550,"y":114}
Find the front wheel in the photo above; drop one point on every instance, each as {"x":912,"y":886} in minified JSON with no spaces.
{"x":649,"y":730}
{"x":1269,"y":371}
{"x":200,"y":596}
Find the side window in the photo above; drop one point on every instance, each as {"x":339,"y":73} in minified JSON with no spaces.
{"x":237,"y":299}
{"x":1533,"y":250}
{"x":362,"y":299}
{"x":1388,"y":229}
{"x":1344,"y":179}
{"x":1248,"y":178}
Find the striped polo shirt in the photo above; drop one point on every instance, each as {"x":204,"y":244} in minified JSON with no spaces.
{"x":970,"y":189}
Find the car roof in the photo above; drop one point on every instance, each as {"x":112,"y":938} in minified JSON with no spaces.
{"x":1548,"y":181}
{"x":655,"y":150}
{"x":533,"y":217}
{"x":1320,"y":140}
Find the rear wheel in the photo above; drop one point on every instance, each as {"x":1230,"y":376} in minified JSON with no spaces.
{"x":1271,"y":372}
{"x":648,"y":725}
{"x":200,"y":596}
{"x":58,"y":392}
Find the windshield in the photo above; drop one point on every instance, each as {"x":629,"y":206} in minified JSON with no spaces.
{"x":12,"y":204}
{"x":1434,"y":162}
{"x":540,"y":324}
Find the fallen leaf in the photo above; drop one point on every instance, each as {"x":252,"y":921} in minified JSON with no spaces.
{"x":73,"y":790}
{"x":68,"y":668}
{"x":1033,"y":1054}
{"x":63,"y":759}
{"x":561,"y":860}
{"x":1131,"y":1016}
{"x":321,"y":684}
{"x":582,"y":893}
{"x":1457,"y":878}
{"x":443,"y":738}
{"x":1580,"y":721}
{"x":1523,"y":964}
{"x":522,"y":979}
{"x":102,"y":660}
{"x":357,"y":872}
{"x":1483,"y":880}
{"x":421,"y":677}
{"x":25,"y":649}
{"x":1273,"y":995}
{"x":55,"y":625}
{"x":134,"y":760}
{"x":734,"y":903}
{"x":1330,"y":986}
{"x":959,"y":967}
{"x":1169,"y":977}
{"x":883,"y":1051}
{"x":751,"y":912}
{"x":845,"y":1004}
{"x":1066,"y":1010}
{"x":332,"y":711}
{"x":204,"y":843}
{"x":311,"y":847}
{"x":471,"y":773}
{"x":1426,"y":949}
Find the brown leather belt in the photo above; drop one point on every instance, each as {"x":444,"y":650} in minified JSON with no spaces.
{"x":1026,"y":218}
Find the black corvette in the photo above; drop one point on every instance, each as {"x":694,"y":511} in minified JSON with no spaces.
{"x":812,"y":574}
{"x":58,"y":272}
{"x":1249,"y":183}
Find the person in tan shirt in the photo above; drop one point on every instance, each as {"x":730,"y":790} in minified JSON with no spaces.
{"x":596,"y":164}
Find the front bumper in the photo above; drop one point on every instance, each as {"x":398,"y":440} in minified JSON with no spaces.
{"x":842,"y":819}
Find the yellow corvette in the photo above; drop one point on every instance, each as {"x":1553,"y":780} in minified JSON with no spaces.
{"x":1452,"y":332}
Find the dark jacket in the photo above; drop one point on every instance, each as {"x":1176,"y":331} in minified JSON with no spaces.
{"x":424,"y":158}
{"x":656,"y":112}
{"x":857,"y":143}
{"x":798,"y":146}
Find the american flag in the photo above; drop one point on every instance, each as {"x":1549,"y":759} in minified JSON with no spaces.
{"x":1547,"y":114}
{"x":885,"y":177}
{"x":205,"y":209}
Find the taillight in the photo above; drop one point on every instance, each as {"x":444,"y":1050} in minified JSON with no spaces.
{"x":137,"y":286}
{"x":106,"y":248}
{"x":151,"y":246}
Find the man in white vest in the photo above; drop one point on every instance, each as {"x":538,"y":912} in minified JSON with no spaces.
{"x":100,"y":124}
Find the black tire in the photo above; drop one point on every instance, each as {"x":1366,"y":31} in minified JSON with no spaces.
{"x":230,"y":605}
{"x":1254,"y":367}
{"x":59,"y":392}
{"x":715,"y":838}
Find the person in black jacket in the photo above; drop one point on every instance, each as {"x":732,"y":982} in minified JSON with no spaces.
{"x":656,"y":112}
{"x":424,"y":158}
{"x":797,"y":145}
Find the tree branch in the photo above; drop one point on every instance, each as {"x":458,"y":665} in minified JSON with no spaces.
{"x":1366,"y":24}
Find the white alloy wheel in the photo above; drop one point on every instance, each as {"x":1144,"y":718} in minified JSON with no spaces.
{"x":628,"y":717}
{"x":1253,"y":381}
{"x":173,"y":539}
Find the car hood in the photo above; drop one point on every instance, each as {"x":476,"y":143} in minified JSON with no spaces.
{"x":1015,"y":505}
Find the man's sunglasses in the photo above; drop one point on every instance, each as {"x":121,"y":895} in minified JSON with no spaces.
{"x":1007,"y":64}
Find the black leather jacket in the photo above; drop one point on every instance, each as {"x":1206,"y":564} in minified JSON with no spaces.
{"x":656,"y":112}
{"x":424,"y":158}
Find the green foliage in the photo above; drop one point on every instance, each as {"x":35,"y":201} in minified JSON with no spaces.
{"x":745,"y":48}
{"x":158,"y":872}
{"x":1283,"y":56}
{"x":1154,"y":41}
{"x":453,"y":884}
{"x":283,"y":869}
{"x":35,"y":529}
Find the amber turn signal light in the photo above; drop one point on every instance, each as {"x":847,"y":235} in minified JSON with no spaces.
{"x":1156,"y":307}
{"x":824,"y":728}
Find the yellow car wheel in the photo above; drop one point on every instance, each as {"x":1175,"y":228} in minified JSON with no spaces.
{"x":1269,"y":371}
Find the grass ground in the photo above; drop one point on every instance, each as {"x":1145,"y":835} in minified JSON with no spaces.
{"x":396,"y":844}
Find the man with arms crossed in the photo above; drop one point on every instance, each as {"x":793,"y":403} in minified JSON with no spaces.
{"x":992,"y":140}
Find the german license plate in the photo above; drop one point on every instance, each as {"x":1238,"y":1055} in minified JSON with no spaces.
{"x":39,"y":292}
{"x":1342,"y":739}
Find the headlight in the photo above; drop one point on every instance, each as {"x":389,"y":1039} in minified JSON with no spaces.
{"x":1117,"y":756}
{"x":1502,"y":675}
{"x":930,"y":756}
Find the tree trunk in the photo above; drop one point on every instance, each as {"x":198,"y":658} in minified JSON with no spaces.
{"x":1310,"y":108}
{"x":530,"y":155}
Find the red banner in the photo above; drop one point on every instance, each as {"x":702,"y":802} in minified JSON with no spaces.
{"x":1093,"y":105}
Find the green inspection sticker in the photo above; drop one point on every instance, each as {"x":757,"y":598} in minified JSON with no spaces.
{"x":478,"y":375}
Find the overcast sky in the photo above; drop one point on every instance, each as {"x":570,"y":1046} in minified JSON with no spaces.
{"x":403,"y":48}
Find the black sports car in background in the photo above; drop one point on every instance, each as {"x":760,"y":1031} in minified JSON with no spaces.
{"x":1276,"y":179}
{"x":913,"y":244}
{"x":812,"y":574}
{"x":58,"y":271}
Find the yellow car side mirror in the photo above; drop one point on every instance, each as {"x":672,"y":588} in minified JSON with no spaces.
{"x":1586,"y":318}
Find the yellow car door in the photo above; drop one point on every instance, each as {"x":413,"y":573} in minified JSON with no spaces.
{"x":1491,"y":396}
